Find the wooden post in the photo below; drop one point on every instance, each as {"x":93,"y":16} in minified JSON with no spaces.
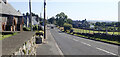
{"x":30,"y":14}
{"x":44,"y":19}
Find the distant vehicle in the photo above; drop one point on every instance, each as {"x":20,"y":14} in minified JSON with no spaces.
{"x":52,"y":27}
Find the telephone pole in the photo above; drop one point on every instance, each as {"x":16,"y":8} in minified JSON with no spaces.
{"x":44,"y":19}
{"x":30,"y":13}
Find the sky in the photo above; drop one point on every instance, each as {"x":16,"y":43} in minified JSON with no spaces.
{"x":106,"y":10}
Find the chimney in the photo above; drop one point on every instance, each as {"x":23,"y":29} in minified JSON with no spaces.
{"x":5,"y":1}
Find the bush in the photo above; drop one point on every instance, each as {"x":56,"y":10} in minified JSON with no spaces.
{"x":26,"y":29}
{"x":67,"y":26}
{"x":40,"y":28}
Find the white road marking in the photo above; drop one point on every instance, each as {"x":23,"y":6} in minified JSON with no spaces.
{"x":98,"y":42}
{"x":106,"y":51}
{"x":60,"y":51}
{"x":86,"y":44}
{"x":75,"y":40}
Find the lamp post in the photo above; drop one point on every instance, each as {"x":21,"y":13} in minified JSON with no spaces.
{"x":30,"y":13}
{"x":44,"y":19}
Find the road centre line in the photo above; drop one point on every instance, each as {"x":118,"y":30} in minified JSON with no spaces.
{"x":106,"y":51}
{"x":99,"y":49}
{"x":86,"y":44}
{"x":75,"y":40}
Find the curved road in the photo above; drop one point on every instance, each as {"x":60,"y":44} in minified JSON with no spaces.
{"x":73,"y":45}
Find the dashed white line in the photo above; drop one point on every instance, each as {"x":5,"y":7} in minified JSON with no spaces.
{"x":86,"y":44}
{"x":75,"y":40}
{"x":106,"y":51}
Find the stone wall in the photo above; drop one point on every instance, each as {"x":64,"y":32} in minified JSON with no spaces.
{"x":28,"y":48}
{"x":23,"y":43}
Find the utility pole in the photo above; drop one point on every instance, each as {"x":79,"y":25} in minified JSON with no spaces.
{"x":44,"y":19}
{"x":39,"y":19}
{"x":30,"y":13}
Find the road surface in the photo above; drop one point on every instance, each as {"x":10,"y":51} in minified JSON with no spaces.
{"x":73,"y":45}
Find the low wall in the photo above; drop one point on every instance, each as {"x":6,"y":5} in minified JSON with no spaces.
{"x":21,"y":44}
{"x":28,"y":48}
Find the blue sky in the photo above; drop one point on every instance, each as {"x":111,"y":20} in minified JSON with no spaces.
{"x":75,"y":9}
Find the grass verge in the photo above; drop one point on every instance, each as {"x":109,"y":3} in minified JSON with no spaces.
{"x":98,"y":39}
{"x":6,"y":36}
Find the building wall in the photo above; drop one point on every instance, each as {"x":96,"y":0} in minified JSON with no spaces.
{"x":3,"y":22}
{"x":0,"y":23}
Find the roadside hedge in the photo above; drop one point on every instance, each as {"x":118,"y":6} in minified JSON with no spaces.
{"x":101,"y":36}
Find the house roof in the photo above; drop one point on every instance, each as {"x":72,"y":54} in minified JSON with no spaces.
{"x":8,"y":9}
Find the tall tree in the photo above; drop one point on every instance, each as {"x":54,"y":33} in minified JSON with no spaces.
{"x":51,"y":20}
{"x":60,"y":18}
{"x":69,"y":21}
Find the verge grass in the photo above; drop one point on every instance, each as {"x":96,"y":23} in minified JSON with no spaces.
{"x":91,"y":31}
{"x":6,"y":36}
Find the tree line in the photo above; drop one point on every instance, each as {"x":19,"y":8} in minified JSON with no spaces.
{"x":62,"y":20}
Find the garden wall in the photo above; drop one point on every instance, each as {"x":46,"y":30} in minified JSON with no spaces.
{"x":20,"y":44}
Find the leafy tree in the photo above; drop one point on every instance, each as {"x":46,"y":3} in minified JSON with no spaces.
{"x":69,"y":21}
{"x":61,"y":19}
{"x":60,"y":22}
{"x":51,"y":20}
{"x":97,"y":24}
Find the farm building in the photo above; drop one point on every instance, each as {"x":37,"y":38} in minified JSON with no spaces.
{"x":12,"y":19}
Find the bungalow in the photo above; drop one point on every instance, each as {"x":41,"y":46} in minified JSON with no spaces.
{"x":12,"y":20}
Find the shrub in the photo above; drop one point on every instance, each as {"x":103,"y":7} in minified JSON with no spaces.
{"x":26,"y":29}
{"x":40,"y":28}
{"x":35,"y":27}
{"x":67,"y":26}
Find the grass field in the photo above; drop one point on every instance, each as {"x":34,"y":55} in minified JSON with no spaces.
{"x":115,"y":42}
{"x":91,"y":31}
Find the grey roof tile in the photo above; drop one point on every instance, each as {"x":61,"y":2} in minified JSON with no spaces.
{"x":8,"y":9}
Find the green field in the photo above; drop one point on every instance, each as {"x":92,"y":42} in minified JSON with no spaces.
{"x":91,"y":31}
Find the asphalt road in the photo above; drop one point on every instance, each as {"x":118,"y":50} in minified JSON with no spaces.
{"x":73,"y":45}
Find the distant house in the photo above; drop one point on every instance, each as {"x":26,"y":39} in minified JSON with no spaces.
{"x":34,"y":20}
{"x":26,"y":20}
{"x":81,"y":24}
{"x":12,"y":19}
